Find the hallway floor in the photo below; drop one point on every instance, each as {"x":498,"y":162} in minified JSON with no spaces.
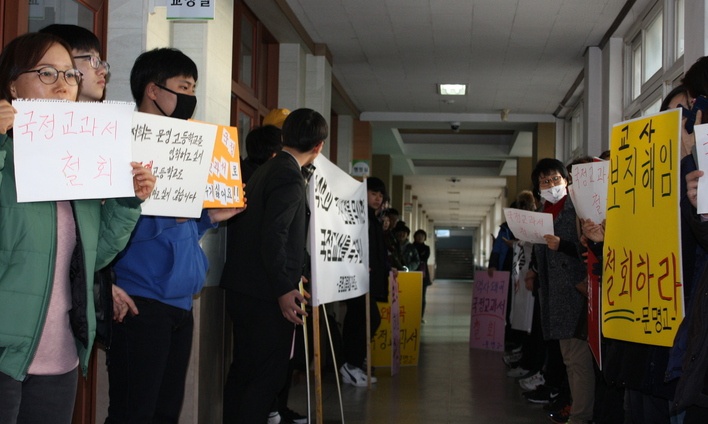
{"x":452,"y":384}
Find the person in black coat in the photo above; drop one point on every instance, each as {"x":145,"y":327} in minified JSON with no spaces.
{"x":264,"y":265}
{"x":354,"y":325}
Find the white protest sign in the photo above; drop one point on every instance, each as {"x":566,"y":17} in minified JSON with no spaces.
{"x":589,"y":190}
{"x":701,"y":132}
{"x":72,"y":150}
{"x":339,"y":237}
{"x":179,"y":153}
{"x":529,"y":226}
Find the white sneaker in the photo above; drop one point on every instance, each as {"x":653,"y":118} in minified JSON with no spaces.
{"x":355,"y":376}
{"x":274,"y":418}
{"x":530,"y":383}
{"x":517,"y":372}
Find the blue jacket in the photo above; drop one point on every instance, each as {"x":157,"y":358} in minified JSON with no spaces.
{"x":164,"y":261}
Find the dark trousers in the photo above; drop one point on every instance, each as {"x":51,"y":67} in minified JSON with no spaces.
{"x":354,"y":329}
{"x":534,"y":348}
{"x":39,"y":399}
{"x":147,"y":364}
{"x":262,"y":343}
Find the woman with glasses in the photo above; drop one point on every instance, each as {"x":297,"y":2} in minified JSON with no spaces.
{"x":48,"y":252}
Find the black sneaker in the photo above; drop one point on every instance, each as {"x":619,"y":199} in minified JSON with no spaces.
{"x":542,"y":395}
{"x":291,"y":417}
{"x":560,"y":417}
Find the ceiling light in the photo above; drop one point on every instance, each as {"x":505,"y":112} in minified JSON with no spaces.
{"x":452,"y":89}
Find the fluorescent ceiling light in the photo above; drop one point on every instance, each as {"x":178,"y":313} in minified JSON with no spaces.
{"x":452,"y":89}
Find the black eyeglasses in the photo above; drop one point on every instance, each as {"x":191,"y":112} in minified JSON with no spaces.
{"x":95,"y":61}
{"x":49,"y":75}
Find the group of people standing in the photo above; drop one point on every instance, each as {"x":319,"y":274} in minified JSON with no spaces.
{"x":638,"y":383}
{"x":50,"y":252}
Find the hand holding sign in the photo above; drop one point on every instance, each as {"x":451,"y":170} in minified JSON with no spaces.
{"x":7,"y":116}
{"x":143,"y":180}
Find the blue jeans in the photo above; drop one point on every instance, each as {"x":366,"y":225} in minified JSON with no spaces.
{"x":39,"y":399}
{"x":147,"y":364}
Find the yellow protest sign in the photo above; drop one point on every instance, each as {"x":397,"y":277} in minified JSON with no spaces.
{"x":642,"y":287}
{"x":410,"y":291}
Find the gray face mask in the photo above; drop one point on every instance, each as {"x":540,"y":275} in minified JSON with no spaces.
{"x":554,"y":194}
{"x":184,"y":109}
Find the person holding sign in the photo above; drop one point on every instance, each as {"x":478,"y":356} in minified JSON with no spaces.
{"x":49,"y":251}
{"x":85,"y":49}
{"x":162,"y":268}
{"x":263,"y":269}
{"x":561,"y":271}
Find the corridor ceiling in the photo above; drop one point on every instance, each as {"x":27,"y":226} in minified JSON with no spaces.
{"x":522,"y":56}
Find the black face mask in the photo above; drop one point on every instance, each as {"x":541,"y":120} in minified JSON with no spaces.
{"x":184,"y":109}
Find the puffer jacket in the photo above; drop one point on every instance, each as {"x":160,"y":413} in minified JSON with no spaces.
{"x":28,"y":237}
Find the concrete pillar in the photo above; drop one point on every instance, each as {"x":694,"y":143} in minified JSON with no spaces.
{"x":397,"y":192}
{"x":592,"y":98}
{"x":416,"y":218}
{"x":524,"y":167}
{"x":612,"y":78}
{"x":127,"y":38}
{"x":292,"y":77}
{"x":318,"y":88}
{"x":544,"y":141}
{"x":407,"y":212}
{"x":345,"y":141}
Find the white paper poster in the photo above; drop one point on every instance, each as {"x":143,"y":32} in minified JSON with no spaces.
{"x":589,"y":190}
{"x":72,"y":150}
{"x":529,"y":226}
{"x":179,"y":153}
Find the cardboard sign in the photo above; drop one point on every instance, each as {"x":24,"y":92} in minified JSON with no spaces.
{"x":72,"y":150}
{"x":488,"y":317}
{"x":410,"y":305}
{"x":224,"y":185}
{"x":642,"y":295}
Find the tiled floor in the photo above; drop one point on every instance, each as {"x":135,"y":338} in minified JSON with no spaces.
{"x":452,"y":384}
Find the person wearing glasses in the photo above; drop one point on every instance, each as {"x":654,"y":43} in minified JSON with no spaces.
{"x":560,"y":270}
{"x":85,"y":49}
{"x":49,"y":251}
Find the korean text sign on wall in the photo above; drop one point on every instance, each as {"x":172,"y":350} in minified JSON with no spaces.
{"x":642,"y":291}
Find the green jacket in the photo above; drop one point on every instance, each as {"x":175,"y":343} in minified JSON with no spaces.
{"x":27,"y":259}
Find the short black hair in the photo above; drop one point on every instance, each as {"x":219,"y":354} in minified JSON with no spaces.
{"x":262,"y":142}
{"x":157,"y":66}
{"x":304,"y":129}
{"x":376,"y":185}
{"x":420,"y":232}
{"x":546,"y":167}
{"x":79,"y":38}
{"x":677,"y":91}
